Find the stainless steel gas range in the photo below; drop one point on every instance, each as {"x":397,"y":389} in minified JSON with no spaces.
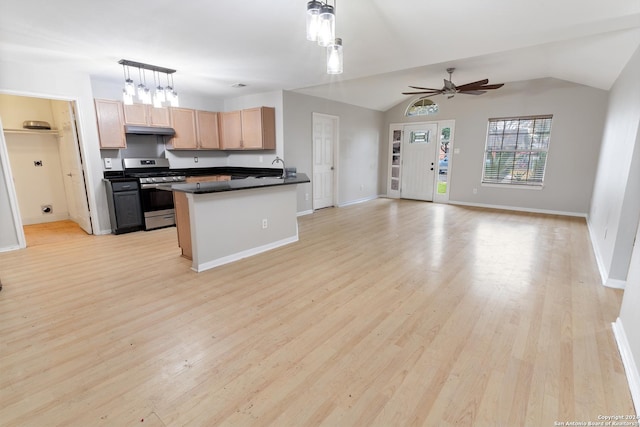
{"x":157,"y":205}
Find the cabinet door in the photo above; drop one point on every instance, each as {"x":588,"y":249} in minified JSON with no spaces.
{"x":135,"y":114}
{"x":110,"y":123}
{"x":252,"y":128}
{"x":127,"y":209}
{"x":183,"y":120}
{"x":231,"y":130}
{"x":208,"y":130}
{"x":259,"y":128}
{"x":158,"y":117}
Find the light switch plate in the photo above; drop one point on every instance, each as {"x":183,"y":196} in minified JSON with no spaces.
{"x":107,"y":163}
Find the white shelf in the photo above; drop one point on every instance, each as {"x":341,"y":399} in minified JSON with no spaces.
{"x":32,"y":131}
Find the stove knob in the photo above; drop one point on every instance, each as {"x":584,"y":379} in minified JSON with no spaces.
{"x":165,"y":179}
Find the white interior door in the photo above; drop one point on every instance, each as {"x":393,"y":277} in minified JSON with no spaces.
{"x":325,"y":135}
{"x":71,"y":161}
{"x":419,"y":166}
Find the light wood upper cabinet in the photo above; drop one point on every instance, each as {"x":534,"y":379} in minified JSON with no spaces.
{"x":110,"y":123}
{"x":183,"y":120}
{"x":250,"y":129}
{"x":207,"y":130}
{"x":146,"y":115}
{"x":231,"y":130}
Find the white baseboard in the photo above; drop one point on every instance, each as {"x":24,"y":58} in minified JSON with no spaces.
{"x":355,"y":202}
{"x":244,"y":254}
{"x":630,"y":368}
{"x":10,"y":248}
{"x":604,"y":274}
{"x":303,"y":213}
{"x":519,"y":209}
{"x":615,"y":283}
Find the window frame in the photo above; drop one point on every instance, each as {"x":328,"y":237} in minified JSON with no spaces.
{"x":544,"y":134}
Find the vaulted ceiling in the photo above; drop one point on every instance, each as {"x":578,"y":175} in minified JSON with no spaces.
{"x":388,"y":45}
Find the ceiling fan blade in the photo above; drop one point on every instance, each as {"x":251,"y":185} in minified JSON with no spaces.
{"x":496,"y":86}
{"x":423,"y":88}
{"x":474,"y":84}
{"x":422,"y":92}
{"x":473,"y":92}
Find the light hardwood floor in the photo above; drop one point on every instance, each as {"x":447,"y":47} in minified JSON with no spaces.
{"x":387,"y":313}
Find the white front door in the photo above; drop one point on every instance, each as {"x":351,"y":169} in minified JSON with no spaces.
{"x":71,"y":161}
{"x":325,"y":136}
{"x":419,"y":161}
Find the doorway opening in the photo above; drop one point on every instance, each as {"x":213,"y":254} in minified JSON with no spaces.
{"x":47,"y":169}
{"x":325,"y":131}
{"x":420,"y":160}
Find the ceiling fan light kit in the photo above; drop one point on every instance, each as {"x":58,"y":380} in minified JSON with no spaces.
{"x":161,"y":95}
{"x":321,"y":28}
{"x":449,"y":89}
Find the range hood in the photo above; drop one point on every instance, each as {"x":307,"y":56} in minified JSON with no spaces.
{"x":149,"y":130}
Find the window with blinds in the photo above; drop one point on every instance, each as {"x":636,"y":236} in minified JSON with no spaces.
{"x":516,"y":150}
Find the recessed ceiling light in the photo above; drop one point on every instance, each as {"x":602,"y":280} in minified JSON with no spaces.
{"x":238,"y":85}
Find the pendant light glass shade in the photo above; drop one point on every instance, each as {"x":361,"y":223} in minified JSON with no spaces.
{"x":129,"y":87}
{"x":313,"y":19}
{"x":334,"y":57}
{"x":327,"y":27}
{"x":127,"y":98}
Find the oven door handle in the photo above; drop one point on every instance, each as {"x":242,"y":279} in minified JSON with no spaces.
{"x":147,"y":186}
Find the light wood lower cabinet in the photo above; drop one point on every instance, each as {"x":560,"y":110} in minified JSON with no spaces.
{"x":183,"y":224}
{"x":110,"y":123}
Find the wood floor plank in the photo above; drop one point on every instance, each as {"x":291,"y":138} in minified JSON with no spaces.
{"x":383,"y":313}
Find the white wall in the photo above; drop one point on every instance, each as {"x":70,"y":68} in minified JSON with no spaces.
{"x":578,"y":118}
{"x":59,"y":83}
{"x":615,"y":208}
{"x":360,"y":137}
{"x":37,"y":185}
{"x":627,"y":326}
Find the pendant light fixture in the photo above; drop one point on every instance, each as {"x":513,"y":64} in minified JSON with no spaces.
{"x":313,"y":20}
{"x":161,"y":96}
{"x":327,"y":25}
{"x":321,"y":28}
{"x":334,"y":57}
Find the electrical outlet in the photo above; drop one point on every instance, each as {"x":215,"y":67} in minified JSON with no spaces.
{"x":260,"y":159}
{"x":195,"y":159}
{"x":264,"y":223}
{"x":107,"y":163}
{"x":306,"y":196}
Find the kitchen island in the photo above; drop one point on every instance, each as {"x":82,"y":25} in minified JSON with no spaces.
{"x":223,"y":221}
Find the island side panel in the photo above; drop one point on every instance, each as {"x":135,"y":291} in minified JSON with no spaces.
{"x":228,"y":226}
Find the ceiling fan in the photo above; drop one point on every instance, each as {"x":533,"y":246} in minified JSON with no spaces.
{"x":475,"y":88}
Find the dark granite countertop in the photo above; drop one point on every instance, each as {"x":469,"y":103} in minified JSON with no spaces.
{"x":233,"y":171}
{"x":235,"y":184}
